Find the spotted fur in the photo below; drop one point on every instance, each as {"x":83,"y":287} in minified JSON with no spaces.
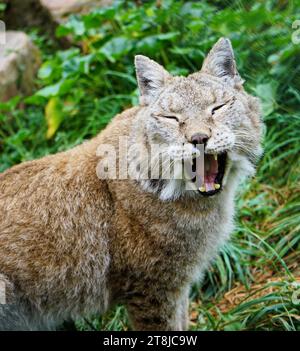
{"x":72,"y":244}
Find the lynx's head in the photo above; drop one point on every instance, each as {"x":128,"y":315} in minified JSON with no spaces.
{"x":209,"y":108}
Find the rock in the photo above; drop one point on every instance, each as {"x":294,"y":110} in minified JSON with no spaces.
{"x":21,"y":14}
{"x":19,"y":62}
{"x":61,"y":9}
{"x":45,"y":14}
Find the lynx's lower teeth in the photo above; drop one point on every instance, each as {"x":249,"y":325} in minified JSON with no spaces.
{"x":204,"y":189}
{"x":215,"y":157}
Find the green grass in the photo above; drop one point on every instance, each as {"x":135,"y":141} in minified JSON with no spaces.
{"x":250,"y":286}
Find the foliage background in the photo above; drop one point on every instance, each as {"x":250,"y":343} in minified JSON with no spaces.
{"x":79,"y":89}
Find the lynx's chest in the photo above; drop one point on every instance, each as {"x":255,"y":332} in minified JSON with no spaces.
{"x":192,"y":231}
{"x":203,"y":235}
{"x":172,"y":236}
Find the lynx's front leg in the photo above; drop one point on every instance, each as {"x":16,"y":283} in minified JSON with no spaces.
{"x":164,"y":311}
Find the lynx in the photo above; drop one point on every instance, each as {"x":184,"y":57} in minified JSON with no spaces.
{"x":74,"y":244}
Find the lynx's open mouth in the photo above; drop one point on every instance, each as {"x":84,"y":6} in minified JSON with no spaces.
{"x":214,"y":170}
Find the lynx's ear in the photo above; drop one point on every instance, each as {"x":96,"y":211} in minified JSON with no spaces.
{"x":220,"y":62}
{"x":151,"y":78}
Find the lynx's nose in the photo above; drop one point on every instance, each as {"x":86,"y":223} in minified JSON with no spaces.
{"x":199,"y":138}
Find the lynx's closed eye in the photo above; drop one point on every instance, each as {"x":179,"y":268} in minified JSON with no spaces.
{"x":167,"y":116}
{"x":216,"y":108}
{"x":170,"y":117}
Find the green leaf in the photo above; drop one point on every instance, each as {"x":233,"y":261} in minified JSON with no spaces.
{"x":10,"y":104}
{"x":76,"y":65}
{"x":96,"y":18}
{"x":60,"y":88}
{"x":54,"y":116}
{"x":50,"y":90}
{"x":152,"y":43}
{"x":116,"y":47}
{"x":267,"y":93}
{"x":74,"y":26}
{"x":18,"y":138}
{"x":45,"y":71}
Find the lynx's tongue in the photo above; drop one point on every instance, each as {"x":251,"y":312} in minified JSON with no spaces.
{"x":210,"y":173}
